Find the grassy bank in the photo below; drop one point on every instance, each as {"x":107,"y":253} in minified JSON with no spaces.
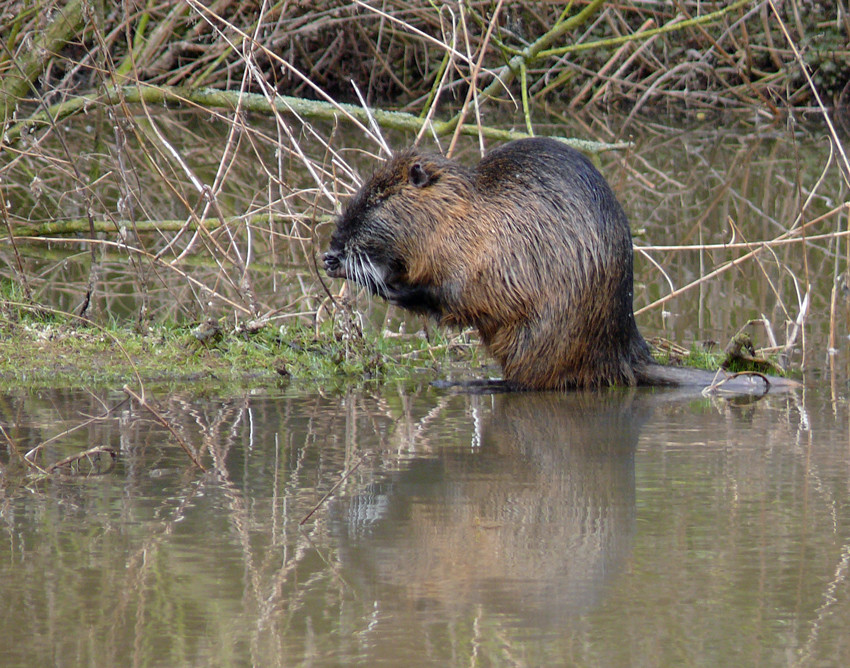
{"x":39,"y":348}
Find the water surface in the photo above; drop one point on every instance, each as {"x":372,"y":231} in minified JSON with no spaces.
{"x":627,"y":528}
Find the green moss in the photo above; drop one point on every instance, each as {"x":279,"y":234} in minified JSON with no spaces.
{"x":698,"y":357}
{"x":41,"y":348}
{"x":46,"y":349}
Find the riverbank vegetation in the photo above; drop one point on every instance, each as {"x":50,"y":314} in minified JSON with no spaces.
{"x":45,"y":347}
{"x":168,"y":169}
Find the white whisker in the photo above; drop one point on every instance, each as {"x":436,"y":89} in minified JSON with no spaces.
{"x":376,"y":275}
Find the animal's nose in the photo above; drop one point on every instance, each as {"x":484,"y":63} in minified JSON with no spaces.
{"x":331,"y":261}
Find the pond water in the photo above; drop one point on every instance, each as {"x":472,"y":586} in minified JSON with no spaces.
{"x":403,"y":524}
{"x":630,"y":528}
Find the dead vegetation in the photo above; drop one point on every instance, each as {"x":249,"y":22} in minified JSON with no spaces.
{"x":402,"y":55}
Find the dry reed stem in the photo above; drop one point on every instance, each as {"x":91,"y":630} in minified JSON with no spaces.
{"x":755,"y":248}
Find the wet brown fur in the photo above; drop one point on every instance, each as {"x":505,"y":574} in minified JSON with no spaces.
{"x":531,"y":247}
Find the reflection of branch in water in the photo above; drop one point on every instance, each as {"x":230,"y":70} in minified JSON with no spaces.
{"x":165,"y":423}
{"x":330,"y":492}
{"x":142,"y":563}
{"x":804,"y":655}
{"x":67,"y":432}
{"x":825,"y":610}
{"x":14,"y":448}
{"x":412,"y":432}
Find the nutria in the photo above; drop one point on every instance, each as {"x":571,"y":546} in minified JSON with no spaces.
{"x":531,"y":247}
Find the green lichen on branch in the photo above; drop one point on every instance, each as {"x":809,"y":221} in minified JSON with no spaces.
{"x":210,"y":99}
{"x":23,"y":68}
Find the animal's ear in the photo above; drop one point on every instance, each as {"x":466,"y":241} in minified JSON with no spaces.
{"x":417,"y":176}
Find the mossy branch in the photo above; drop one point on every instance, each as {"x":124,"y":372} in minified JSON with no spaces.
{"x":530,"y":54}
{"x":646,"y":34}
{"x":27,"y":65}
{"x":208,"y":98}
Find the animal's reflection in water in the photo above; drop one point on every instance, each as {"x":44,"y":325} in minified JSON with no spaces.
{"x":531,"y":522}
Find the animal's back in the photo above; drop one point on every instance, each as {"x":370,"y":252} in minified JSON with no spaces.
{"x":564,"y":245}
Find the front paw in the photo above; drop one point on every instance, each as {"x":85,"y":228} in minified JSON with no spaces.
{"x":417,"y":298}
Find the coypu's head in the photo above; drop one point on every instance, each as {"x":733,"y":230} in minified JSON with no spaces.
{"x":383,"y":236}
